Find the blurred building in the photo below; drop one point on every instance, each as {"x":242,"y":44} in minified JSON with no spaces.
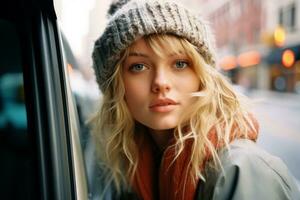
{"x":284,"y":55}
{"x":252,"y":39}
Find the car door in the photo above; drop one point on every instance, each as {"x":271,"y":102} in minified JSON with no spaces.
{"x":40,"y":152}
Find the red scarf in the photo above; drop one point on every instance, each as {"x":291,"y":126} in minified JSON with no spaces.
{"x":170,"y":181}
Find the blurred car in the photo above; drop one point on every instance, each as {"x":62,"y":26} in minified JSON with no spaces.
{"x":40,"y":150}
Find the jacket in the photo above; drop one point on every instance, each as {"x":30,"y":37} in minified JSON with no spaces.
{"x":249,"y":173}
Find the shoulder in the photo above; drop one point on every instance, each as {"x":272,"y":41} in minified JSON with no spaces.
{"x":249,"y":172}
{"x":247,"y":157}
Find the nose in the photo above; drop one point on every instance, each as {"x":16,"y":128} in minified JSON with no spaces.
{"x":161,"y":82}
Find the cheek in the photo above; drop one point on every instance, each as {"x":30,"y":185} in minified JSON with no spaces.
{"x":189,"y":82}
{"x":135,"y":92}
{"x":195,"y":84}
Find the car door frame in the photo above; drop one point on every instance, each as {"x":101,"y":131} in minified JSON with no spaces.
{"x":51,"y":114}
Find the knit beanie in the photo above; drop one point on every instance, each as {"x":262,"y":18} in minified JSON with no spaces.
{"x":129,"y":20}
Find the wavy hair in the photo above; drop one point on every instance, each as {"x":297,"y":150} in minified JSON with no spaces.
{"x":217,"y":107}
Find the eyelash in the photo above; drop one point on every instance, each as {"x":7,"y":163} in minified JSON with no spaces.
{"x":132,"y":67}
{"x":187,"y":64}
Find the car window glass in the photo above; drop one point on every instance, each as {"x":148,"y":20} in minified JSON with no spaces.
{"x":16,"y":155}
{"x":86,"y":97}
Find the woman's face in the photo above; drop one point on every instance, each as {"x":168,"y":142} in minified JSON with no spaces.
{"x":157,"y":88}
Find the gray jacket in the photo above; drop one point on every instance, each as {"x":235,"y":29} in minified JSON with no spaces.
{"x":249,"y":173}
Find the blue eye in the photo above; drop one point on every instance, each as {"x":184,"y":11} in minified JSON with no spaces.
{"x":181,"y":64}
{"x":137,"y":67}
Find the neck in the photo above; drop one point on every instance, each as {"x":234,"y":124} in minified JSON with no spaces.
{"x":161,"y":137}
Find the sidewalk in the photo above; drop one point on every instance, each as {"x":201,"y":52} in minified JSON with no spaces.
{"x":271,"y":97}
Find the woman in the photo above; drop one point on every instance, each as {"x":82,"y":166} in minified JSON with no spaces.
{"x":170,"y":125}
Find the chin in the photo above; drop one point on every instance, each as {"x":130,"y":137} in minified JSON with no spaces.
{"x":162,"y":126}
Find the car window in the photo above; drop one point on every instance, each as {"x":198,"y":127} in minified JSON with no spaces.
{"x":16,"y":146}
{"x":85,"y":95}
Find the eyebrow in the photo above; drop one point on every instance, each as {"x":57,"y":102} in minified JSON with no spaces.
{"x":138,"y":54}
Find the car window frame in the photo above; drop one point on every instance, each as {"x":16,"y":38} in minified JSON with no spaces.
{"x":51,"y":114}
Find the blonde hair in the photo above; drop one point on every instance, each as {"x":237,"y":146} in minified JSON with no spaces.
{"x":217,"y":107}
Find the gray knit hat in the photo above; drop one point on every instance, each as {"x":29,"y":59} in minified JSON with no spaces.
{"x":129,"y":20}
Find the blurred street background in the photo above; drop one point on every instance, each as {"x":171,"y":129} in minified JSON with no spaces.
{"x":258,"y":49}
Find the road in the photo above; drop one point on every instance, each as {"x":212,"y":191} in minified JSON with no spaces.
{"x":279,"y":118}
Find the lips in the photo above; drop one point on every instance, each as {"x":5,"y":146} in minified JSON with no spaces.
{"x":163,"y":105}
